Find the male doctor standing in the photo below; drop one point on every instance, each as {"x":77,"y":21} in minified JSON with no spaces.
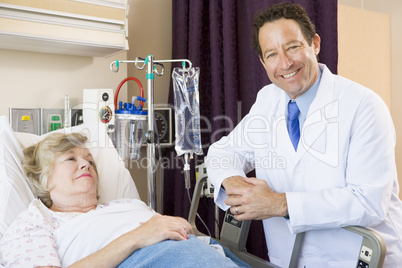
{"x":322,"y":148}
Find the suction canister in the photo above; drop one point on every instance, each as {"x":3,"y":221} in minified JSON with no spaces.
{"x":131,"y":126}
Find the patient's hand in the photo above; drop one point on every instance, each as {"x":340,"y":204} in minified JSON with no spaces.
{"x":186,"y":224}
{"x":155,"y":230}
{"x":160,"y":228}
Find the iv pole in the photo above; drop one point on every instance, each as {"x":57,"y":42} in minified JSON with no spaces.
{"x":151,"y":135}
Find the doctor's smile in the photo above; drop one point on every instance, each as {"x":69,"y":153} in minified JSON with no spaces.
{"x":286,"y":76}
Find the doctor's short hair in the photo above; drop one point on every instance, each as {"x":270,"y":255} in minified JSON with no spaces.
{"x":39,"y":160}
{"x":283,"y":11}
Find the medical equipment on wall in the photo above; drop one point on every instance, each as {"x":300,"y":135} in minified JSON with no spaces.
{"x":98,"y":108}
{"x":37,"y":121}
{"x":51,"y":119}
{"x":151,"y":135}
{"x":163,"y":125}
{"x":131,"y":124}
{"x":55,"y":122}
{"x":25,"y":120}
{"x":187,"y":111}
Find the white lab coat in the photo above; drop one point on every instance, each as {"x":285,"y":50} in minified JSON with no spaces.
{"x":343,"y":172}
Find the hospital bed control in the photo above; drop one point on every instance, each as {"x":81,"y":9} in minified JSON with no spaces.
{"x":234,"y":233}
{"x":373,"y":249}
{"x":229,"y":218}
{"x":365,"y":255}
{"x":362,"y":264}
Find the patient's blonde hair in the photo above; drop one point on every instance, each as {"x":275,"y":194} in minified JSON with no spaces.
{"x":39,"y":160}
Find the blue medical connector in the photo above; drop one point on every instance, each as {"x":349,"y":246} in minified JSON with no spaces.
{"x":130,"y":108}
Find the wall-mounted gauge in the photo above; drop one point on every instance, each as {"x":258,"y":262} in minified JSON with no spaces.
{"x":98,"y":107}
{"x":105,"y":114}
{"x":164,"y":125}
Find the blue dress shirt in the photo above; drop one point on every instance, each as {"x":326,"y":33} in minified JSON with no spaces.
{"x":304,"y":101}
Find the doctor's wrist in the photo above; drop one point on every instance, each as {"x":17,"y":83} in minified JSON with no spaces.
{"x":284,"y":212}
{"x":287,"y":215}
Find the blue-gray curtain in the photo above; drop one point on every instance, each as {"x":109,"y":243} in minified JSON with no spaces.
{"x":217,"y":37}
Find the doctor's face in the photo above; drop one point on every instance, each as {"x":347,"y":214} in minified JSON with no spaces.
{"x":290,"y":62}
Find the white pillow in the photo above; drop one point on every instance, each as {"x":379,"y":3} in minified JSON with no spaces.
{"x":15,"y":194}
{"x":115,"y":181}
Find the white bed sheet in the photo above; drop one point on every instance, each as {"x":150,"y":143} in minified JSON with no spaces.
{"x":116,"y":221}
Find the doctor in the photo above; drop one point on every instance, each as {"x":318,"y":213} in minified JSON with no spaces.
{"x":322,"y":148}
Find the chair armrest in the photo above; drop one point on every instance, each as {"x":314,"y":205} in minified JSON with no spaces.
{"x":373,"y":248}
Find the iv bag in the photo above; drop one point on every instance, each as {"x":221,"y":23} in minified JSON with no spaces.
{"x":187,"y":111}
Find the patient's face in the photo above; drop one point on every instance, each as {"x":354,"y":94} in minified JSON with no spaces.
{"x":73,"y":180}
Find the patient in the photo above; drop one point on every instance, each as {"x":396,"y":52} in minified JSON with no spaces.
{"x":66,"y":226}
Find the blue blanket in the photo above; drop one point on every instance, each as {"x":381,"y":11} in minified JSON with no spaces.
{"x":187,"y":253}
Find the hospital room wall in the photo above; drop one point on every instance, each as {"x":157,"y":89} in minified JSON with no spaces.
{"x":41,"y":80}
{"x":374,"y":63}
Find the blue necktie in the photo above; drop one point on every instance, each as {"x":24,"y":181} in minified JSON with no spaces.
{"x":294,"y":129}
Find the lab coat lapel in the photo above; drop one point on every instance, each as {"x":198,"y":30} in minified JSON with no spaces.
{"x":317,"y":136}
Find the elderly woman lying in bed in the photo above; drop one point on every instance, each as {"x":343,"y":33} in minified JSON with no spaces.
{"x":66,"y":225}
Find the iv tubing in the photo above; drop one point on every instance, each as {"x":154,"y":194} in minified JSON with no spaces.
{"x":186,"y":170}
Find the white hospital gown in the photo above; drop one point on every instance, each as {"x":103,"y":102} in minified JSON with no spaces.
{"x":29,"y":240}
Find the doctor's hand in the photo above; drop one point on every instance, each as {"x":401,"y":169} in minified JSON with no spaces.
{"x":255,"y":200}
{"x":232,"y":183}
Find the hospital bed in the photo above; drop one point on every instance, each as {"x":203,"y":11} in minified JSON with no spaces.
{"x":234,"y":236}
{"x":116,"y":183}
